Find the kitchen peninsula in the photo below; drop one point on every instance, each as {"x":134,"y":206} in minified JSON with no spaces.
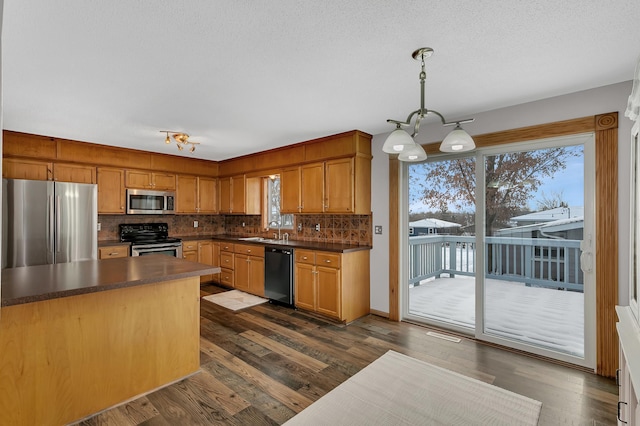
{"x":80,"y":337}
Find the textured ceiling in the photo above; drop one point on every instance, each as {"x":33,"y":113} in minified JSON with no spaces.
{"x":245,"y":75}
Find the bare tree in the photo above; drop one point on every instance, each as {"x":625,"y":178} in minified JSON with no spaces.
{"x":511,"y":180}
{"x":551,"y":201}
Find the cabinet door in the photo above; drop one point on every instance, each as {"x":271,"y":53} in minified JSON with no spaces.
{"x":312,"y":188}
{"x":205,"y":255}
{"x":305,"y":286}
{"x":237,"y":194}
{"x":290,"y":190}
{"x":329,"y":291}
{"x":215,"y":259}
{"x":26,"y":169}
{"x":225,"y":195}
{"x":163,"y":181}
{"x":339,"y":181}
{"x":191,"y":256}
{"x":138,"y":179}
{"x":207,"y":195}
{"x":74,"y":173}
{"x":241,"y":271}
{"x":253,"y":195}
{"x":111,"y":192}
{"x":186,"y":194}
{"x":256,"y":275}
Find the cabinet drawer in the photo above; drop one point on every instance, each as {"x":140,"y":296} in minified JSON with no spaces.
{"x":226,"y":277}
{"x":249,"y":249}
{"x":113,"y":252}
{"x":189,"y":245}
{"x":328,"y":259}
{"x":226,"y":247}
{"x":305,"y":256}
{"x":226,"y":260}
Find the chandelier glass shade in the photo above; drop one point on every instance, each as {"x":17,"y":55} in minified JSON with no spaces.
{"x":402,"y":143}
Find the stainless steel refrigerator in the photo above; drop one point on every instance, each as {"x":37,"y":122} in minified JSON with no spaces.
{"x":48,"y":222}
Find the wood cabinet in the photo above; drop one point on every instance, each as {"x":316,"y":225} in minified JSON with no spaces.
{"x":77,"y":173}
{"x":312,"y":188}
{"x":141,"y":179}
{"x":227,"y":264}
{"x":239,"y":195}
{"x":333,"y":284}
{"x":13,"y":168}
{"x":190,"y":251}
{"x":290,"y":201}
{"x":111,"y":191}
{"x":341,"y":186}
{"x":249,"y":268}
{"x":196,"y":194}
{"x":112,"y":252}
{"x":205,"y":255}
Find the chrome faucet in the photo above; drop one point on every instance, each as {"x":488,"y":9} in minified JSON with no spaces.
{"x":278,"y":225}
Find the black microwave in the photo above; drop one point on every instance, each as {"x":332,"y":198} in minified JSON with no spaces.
{"x":144,"y":201}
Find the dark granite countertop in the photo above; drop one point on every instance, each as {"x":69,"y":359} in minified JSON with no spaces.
{"x":44,"y":282}
{"x":311,"y":245}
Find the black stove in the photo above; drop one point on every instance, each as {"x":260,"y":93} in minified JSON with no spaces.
{"x":146,"y":233}
{"x":150,"y":238}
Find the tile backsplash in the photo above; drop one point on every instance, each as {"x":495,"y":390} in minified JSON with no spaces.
{"x":348,"y":229}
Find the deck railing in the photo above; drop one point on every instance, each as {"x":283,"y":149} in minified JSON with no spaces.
{"x":540,"y":262}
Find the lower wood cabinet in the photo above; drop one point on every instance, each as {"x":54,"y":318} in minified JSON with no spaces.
{"x":226,"y":264}
{"x":249,"y":268}
{"x":201,"y":251}
{"x":332,"y":284}
{"x":112,"y":252}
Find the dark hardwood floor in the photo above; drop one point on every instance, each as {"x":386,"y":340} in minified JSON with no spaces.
{"x":265,"y":364}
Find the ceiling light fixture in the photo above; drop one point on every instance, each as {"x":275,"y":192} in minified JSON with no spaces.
{"x":401,"y":143}
{"x":182,"y":140}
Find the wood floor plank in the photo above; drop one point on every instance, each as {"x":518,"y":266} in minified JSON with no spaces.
{"x":287,"y":396}
{"x":284,"y":350}
{"x":263,"y":365}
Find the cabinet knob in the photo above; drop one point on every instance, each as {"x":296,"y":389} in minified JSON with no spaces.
{"x":327,"y":261}
{"x":115,"y":253}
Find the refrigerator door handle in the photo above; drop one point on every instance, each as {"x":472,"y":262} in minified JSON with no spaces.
{"x":57,"y":236}
{"x":51,"y":233}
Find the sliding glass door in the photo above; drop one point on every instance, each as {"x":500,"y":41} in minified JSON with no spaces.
{"x":500,"y":246}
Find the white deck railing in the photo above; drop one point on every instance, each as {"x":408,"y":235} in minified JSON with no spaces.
{"x":541,"y":262}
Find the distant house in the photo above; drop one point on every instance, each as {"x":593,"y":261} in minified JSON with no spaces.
{"x":560,"y":223}
{"x":431,"y":226}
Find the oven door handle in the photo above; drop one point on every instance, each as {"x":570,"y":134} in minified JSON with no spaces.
{"x":151,"y":250}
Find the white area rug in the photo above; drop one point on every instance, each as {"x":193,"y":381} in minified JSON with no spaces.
{"x":549,"y":318}
{"x":235,"y":300}
{"x":399,"y":390}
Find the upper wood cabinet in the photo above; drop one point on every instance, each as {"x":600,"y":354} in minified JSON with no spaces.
{"x":239,"y":195}
{"x":196,"y":194}
{"x":74,"y":173}
{"x":141,"y":179}
{"x":340,"y":186}
{"x":13,"y":168}
{"x":111,"y":191}
{"x":290,"y":201}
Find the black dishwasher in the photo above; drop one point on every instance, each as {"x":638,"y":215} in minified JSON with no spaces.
{"x":278,"y":275}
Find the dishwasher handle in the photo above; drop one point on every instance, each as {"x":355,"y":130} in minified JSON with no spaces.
{"x":287,"y":251}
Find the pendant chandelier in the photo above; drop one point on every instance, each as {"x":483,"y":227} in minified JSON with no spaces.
{"x":401,"y":143}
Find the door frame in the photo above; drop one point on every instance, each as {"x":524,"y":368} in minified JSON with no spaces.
{"x":605,"y":128}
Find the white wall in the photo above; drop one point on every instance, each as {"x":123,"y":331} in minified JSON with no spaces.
{"x":590,"y":102}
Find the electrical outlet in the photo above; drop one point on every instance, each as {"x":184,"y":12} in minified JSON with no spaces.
{"x":243,"y":224}
{"x":299,"y":227}
{"x":99,"y":226}
{"x":378,"y":229}
{"x":195,"y":223}
{"x":317,"y":227}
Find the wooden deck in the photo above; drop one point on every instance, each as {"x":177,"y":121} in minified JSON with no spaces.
{"x":265,"y":364}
